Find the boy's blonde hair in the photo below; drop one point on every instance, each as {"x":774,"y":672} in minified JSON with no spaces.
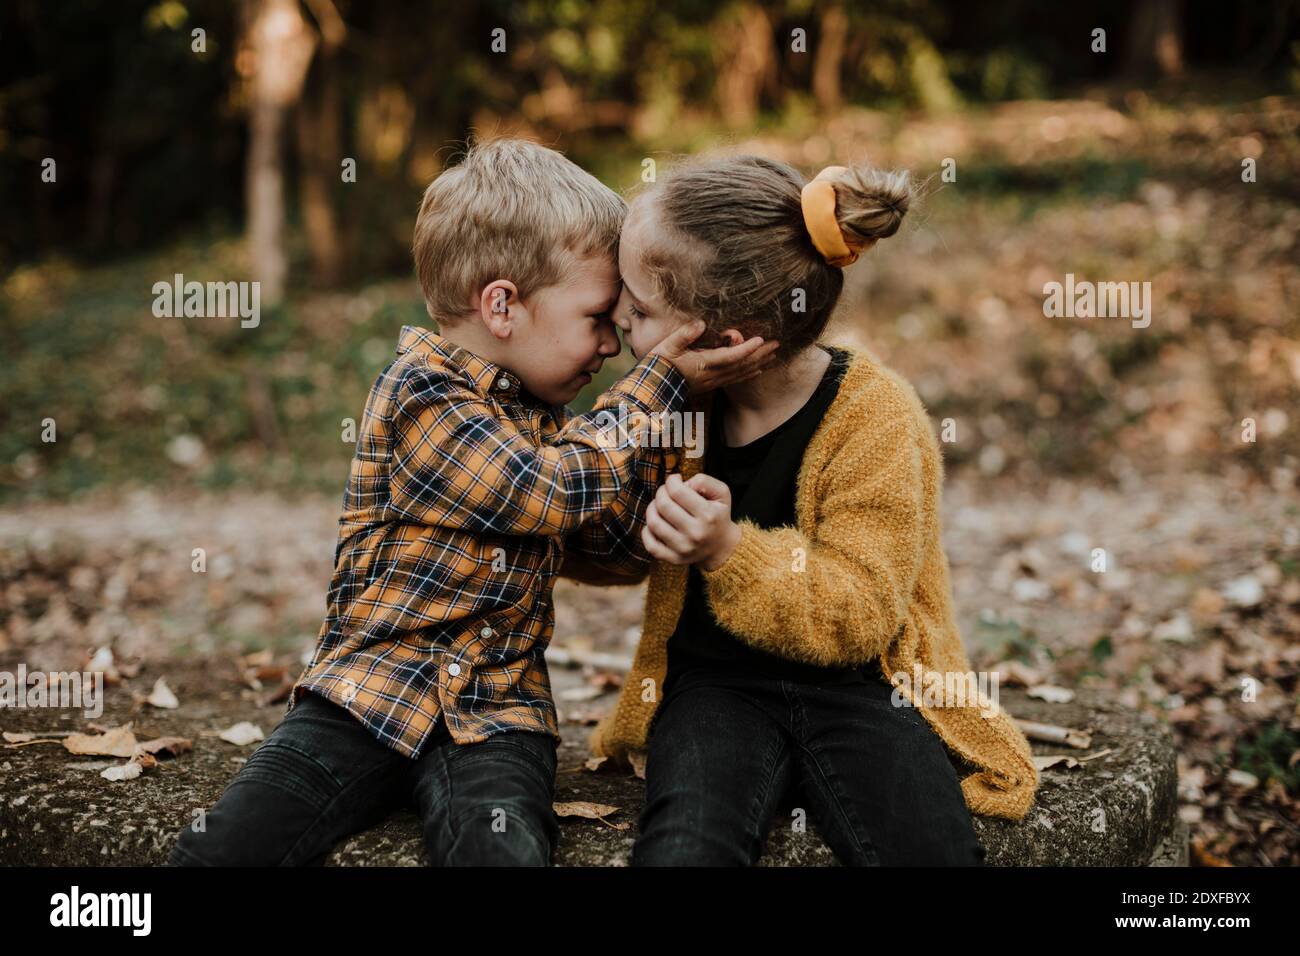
{"x":510,"y":210}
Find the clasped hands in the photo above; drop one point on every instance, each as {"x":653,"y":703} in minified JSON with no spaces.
{"x":689,"y":522}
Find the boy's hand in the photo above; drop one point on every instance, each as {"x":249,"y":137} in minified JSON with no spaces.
{"x":690,"y":522}
{"x":707,"y":369}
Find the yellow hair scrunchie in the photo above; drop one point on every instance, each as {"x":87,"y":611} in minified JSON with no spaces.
{"x":818,"y":202}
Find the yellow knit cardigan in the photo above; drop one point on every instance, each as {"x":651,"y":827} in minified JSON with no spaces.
{"x":861,"y":576}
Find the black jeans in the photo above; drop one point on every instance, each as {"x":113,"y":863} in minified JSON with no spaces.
{"x":321,"y":775}
{"x":727,"y":751}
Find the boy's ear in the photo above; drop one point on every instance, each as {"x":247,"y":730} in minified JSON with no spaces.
{"x":498,"y":307}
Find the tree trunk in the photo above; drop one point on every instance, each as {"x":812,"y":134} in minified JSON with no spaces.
{"x":281,"y":47}
{"x":1155,"y":42}
{"x":319,"y":158}
{"x":828,"y":59}
{"x":745,"y":60}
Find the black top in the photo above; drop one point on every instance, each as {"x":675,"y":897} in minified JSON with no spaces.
{"x":762,"y":476}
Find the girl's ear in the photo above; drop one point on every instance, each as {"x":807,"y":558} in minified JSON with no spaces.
{"x":731,"y":337}
{"x":497,"y":305}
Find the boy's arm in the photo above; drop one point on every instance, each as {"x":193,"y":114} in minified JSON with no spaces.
{"x":607,"y":549}
{"x":456,"y":464}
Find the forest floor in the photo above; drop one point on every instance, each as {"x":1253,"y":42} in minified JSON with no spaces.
{"x":1193,"y":620}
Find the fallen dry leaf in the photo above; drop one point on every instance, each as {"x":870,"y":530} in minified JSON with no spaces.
{"x":1052,"y":734}
{"x":171,"y":745}
{"x":589,"y":811}
{"x":1240,"y":778}
{"x":127,"y":771}
{"x":15,"y":738}
{"x":162,"y":696}
{"x":1015,"y":674}
{"x":279,"y":694}
{"x":580,"y":694}
{"x":101,"y":661}
{"x":1206,"y":604}
{"x":593,"y":763}
{"x":1201,"y":856}
{"x":257,"y":675}
{"x":241,"y":734}
{"x":1043,"y":762}
{"x":1051,"y":693}
{"x":1178,"y":629}
{"x":637,"y":759}
{"x":257,"y":658}
{"x":118,"y":742}
{"x":1206,"y":664}
{"x":583,"y":716}
{"x":140,"y":761}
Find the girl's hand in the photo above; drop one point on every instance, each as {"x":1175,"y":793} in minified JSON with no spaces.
{"x":690,"y":522}
{"x":707,"y":369}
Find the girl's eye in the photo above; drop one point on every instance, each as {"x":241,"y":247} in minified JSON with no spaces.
{"x":634,"y":312}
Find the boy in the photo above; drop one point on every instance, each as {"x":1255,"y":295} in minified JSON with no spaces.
{"x":428,"y":681}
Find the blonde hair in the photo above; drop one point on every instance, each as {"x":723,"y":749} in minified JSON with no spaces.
{"x":735,"y":247}
{"x":511,"y":209}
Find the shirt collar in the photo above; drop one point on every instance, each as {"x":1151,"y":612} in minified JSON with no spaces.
{"x":488,"y":377}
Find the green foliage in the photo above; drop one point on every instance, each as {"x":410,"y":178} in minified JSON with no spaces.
{"x":1268,"y":756}
{"x":1057,"y":181}
{"x":116,"y":94}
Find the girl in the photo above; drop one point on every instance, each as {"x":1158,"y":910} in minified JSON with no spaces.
{"x":800,"y":589}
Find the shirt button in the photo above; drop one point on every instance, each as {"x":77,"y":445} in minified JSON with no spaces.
{"x":503,"y":383}
{"x":453,"y":669}
{"x":486,"y":632}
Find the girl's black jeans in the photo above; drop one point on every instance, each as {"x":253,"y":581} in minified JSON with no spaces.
{"x":728,"y":751}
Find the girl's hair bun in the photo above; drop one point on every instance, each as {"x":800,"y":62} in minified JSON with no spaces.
{"x":871,"y":203}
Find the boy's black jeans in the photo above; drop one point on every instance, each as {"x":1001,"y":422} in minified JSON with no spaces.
{"x":321,"y":775}
{"x":727,"y":752}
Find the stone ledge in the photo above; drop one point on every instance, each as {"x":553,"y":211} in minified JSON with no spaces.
{"x":53,"y":813}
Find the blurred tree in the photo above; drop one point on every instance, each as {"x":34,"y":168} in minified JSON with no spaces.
{"x":828,"y":59}
{"x":745,"y":61}
{"x":1155,"y":38}
{"x":276,"y":51}
{"x":320,"y":147}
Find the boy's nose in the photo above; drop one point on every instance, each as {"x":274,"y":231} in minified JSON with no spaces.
{"x":609,"y":341}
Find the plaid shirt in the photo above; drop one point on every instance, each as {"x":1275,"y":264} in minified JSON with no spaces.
{"x":463,"y":495}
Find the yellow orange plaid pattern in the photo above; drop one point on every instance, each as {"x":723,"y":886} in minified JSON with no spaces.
{"x":464,"y":494}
